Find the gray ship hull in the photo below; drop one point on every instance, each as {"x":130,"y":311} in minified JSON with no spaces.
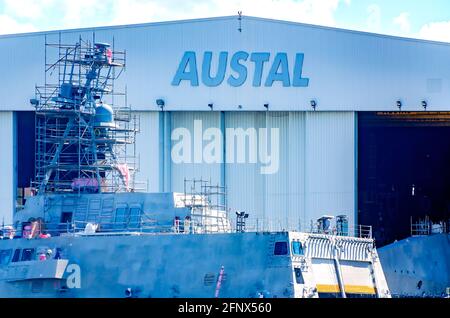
{"x":417,"y":266}
{"x":189,"y":265}
{"x":154,"y":266}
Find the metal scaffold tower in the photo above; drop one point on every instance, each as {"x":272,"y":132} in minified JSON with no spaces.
{"x":208,"y":205}
{"x":85,"y":131}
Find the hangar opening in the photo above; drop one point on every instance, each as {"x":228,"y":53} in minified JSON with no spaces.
{"x":403,"y":170}
{"x":25,"y":154}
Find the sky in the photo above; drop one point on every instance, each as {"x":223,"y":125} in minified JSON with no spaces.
{"x":424,"y":19}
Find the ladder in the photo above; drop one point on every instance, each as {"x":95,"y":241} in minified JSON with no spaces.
{"x":270,"y":250}
{"x":106,"y":214}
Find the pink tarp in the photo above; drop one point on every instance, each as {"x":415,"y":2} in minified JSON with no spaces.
{"x":79,"y":183}
{"x":124,"y":172}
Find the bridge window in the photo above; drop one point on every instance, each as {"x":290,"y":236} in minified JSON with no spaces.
{"x":28,"y":254}
{"x":281,"y":248}
{"x":297,"y":248}
{"x":298,"y":276}
{"x":16,"y":256}
{"x":5,"y":255}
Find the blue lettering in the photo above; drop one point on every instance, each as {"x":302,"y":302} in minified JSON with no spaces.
{"x":297,"y":79}
{"x":206,"y":69}
{"x":280,"y":60}
{"x":279,"y":70}
{"x":238,"y":68}
{"x":182,"y":74}
{"x":259,"y":59}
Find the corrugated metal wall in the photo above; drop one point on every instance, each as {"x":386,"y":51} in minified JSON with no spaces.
{"x":316,"y":163}
{"x":316,"y":170}
{"x":330,"y":164}
{"x":148,"y":150}
{"x":348,"y":71}
{"x":7,"y":167}
{"x":180,"y":171}
{"x":245,"y":185}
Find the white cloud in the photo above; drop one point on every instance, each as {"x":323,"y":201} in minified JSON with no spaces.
{"x":9,"y":26}
{"x":402,"y":20}
{"x":436,"y":31}
{"x":374,"y":17}
{"x":140,"y":11}
{"x":82,"y":13}
{"x":63,"y":14}
{"x":31,"y":9}
{"x":307,"y":11}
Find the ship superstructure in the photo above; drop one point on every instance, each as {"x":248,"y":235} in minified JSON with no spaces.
{"x":88,"y":232}
{"x":84,"y":129}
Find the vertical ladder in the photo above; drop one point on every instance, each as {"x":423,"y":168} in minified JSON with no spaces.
{"x":106,"y":214}
{"x":95,"y":207}
{"x":270,"y":250}
{"x":80,"y":213}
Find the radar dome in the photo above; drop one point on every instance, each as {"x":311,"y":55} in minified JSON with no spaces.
{"x":104,"y":115}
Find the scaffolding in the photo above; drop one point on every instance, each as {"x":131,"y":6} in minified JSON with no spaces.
{"x":199,"y":193}
{"x":85,"y":132}
{"x":208,"y":205}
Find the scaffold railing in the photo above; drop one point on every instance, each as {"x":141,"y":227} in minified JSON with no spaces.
{"x":85,"y":131}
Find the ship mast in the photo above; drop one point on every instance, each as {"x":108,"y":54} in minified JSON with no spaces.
{"x":85,"y":132}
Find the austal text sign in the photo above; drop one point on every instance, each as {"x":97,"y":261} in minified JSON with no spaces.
{"x":279,"y":69}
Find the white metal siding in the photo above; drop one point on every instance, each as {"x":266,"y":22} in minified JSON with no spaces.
{"x":295,"y":172}
{"x":246,"y":186}
{"x":147,"y":150}
{"x":316,"y":173}
{"x":7,"y":167}
{"x":346,"y":70}
{"x":180,"y":171}
{"x":330,"y":164}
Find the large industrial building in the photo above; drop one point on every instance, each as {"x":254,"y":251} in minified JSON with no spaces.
{"x":296,"y":121}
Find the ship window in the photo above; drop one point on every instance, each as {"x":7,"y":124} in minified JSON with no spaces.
{"x":298,"y":276}
{"x":5,"y":255}
{"x":27,"y":254}
{"x":297,"y":248}
{"x":16,"y":256}
{"x":281,"y":248}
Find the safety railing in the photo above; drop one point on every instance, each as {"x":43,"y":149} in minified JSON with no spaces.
{"x":264,"y":225}
{"x":427,"y":227}
{"x":198,"y":223}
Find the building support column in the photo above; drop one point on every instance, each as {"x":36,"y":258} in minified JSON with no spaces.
{"x":356,"y":152}
{"x":223,"y":165}
{"x":8,"y":166}
{"x":165,"y":146}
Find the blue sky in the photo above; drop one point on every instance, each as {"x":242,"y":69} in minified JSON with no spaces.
{"x":428,"y":19}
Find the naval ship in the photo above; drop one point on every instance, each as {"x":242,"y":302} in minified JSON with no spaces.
{"x":88,"y":230}
{"x":419,"y":266}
